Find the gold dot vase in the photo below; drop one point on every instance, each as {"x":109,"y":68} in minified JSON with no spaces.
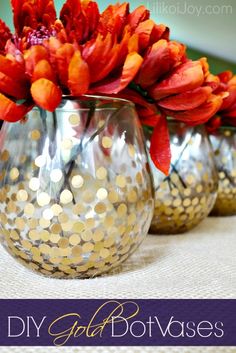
{"x":76,"y":197}
{"x":187,"y":195}
{"x":224,"y":146}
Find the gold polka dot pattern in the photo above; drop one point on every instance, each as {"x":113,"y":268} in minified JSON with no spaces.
{"x":73,"y":219}
{"x":187,"y":195}
{"x":224,"y":142}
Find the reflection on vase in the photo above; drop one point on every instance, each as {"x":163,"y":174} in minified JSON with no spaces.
{"x":76,"y":196}
{"x":185,"y":197}
{"x":224,"y":146}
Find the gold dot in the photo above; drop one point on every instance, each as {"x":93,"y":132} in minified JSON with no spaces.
{"x":34,"y":235}
{"x":74,"y":239}
{"x":131,"y":151}
{"x":56,"y":228}
{"x":98,"y":235}
{"x":102,"y":194}
{"x":87,"y":247}
{"x":67,"y":226}
{"x":14,"y":235}
{"x":22,"y":195}
{"x":56,"y":175}
{"x":45,"y":235}
{"x":113,"y":196}
{"x":227,"y":133}
{"x":63,"y":218}
{"x":88,"y":196}
{"x":14,"y":174}
{"x":89,"y":223}
{"x":66,"y":197}
{"x":77,"y":181}
{"x":44,"y":223}
{"x":56,"y":209}
{"x":104,"y":253}
{"x":187,"y":192}
{"x":76,"y":251}
{"x":34,"y":184}
{"x":132,"y":196}
{"x":187,"y":202}
{"x":101,"y":173}
{"x":4,"y":156}
{"x":175,"y":192}
{"x":48,"y":214}
{"x":139,"y":178}
{"x":109,"y":221}
{"x":63,"y":243}
{"x":199,"y":189}
{"x":190,"y":179}
{"x":78,"y":227}
{"x":177,"y":202}
{"x":35,"y":135}
{"x":100,"y":208}
{"x":40,"y":161}
{"x":74,"y":119}
{"x":78,"y":209}
{"x":20,"y":223}
{"x":29,"y":209}
{"x":107,"y":142}
{"x":67,"y":144}
{"x":195,"y":201}
{"x":121,"y":181}
{"x":54,"y":238}
{"x":43,"y":199}
{"x":122,"y":210}
{"x":26,"y":244}
{"x":199,"y":166}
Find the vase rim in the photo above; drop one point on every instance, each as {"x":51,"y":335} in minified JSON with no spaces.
{"x":98,"y":96}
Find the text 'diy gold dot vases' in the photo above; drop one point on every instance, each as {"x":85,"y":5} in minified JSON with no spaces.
{"x":224,"y":146}
{"x":186,"y":196}
{"x":75,"y":193}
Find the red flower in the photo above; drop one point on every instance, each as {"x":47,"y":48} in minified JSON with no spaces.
{"x":226,"y":114}
{"x":116,"y":52}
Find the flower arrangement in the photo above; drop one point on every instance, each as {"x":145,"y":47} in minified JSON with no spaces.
{"x":116,"y":52}
{"x":226,"y":116}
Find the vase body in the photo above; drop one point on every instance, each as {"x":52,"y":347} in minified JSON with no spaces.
{"x":186,"y":196}
{"x":76,"y":196}
{"x":224,"y":146}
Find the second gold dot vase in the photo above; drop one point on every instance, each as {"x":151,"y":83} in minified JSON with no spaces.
{"x":224,"y":146}
{"x":187,"y":195}
{"x":76,"y":197}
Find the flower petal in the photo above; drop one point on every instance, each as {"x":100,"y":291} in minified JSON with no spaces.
{"x":46,"y":94}
{"x":185,"y":77}
{"x":114,"y":85}
{"x":5,"y":34}
{"x":63,"y":58}
{"x":12,"y":112}
{"x":139,"y":15}
{"x":198,"y":115}
{"x":33,"y":55}
{"x":160,"y":58}
{"x":101,"y":56}
{"x":160,"y":146}
{"x":187,"y":100}
{"x":43,"y":70}
{"x":80,"y":19}
{"x":79,"y":76}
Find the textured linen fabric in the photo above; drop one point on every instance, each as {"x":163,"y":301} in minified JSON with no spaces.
{"x":200,"y":264}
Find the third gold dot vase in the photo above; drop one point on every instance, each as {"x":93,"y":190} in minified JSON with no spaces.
{"x":76,"y":197}
{"x":186,"y":196}
{"x":224,"y":146}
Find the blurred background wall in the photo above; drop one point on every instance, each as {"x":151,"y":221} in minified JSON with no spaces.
{"x":208,"y":27}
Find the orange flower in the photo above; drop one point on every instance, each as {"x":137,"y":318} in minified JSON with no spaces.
{"x":226,"y":114}
{"x":117,"y":52}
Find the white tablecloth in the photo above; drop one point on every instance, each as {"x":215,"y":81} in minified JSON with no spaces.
{"x":199,"y":264}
